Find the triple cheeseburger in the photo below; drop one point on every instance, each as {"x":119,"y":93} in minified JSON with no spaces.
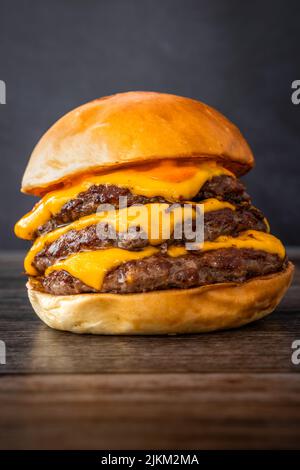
{"x":151,"y":150}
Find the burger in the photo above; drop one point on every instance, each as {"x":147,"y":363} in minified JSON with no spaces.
{"x":152,"y":151}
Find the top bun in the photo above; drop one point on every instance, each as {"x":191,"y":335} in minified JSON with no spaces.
{"x":132,"y":128}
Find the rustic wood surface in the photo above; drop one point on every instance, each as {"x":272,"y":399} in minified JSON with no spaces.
{"x":233,"y":389}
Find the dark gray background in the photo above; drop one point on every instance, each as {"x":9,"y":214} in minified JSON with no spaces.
{"x":240,"y":57}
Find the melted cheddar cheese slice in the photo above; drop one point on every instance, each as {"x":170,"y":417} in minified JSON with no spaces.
{"x":171,"y":180}
{"x":250,"y":239}
{"x":92,"y":266}
{"x":156,"y":220}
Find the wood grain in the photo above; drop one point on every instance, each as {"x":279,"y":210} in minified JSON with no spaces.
{"x":155,"y":410}
{"x":234,"y":389}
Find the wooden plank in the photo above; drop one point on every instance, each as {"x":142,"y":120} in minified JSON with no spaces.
{"x":135,"y":411}
{"x":34,"y":348}
{"x":266,"y":346}
{"x":233,"y":389}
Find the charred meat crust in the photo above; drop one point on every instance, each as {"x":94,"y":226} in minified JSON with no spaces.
{"x":221,"y":187}
{"x":225,"y":188}
{"x":163,"y":272}
{"x":88,"y":202}
{"x":216,"y":223}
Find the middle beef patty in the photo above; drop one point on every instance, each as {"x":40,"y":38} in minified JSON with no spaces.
{"x":216,"y":223}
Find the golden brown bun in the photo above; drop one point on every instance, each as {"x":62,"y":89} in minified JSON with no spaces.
{"x":131,"y":128}
{"x":207,"y":308}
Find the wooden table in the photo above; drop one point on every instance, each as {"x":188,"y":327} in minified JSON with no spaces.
{"x":233,"y":389}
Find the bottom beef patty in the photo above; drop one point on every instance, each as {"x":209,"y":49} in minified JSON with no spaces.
{"x":161,"y":271}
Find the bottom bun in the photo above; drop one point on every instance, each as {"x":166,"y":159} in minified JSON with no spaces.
{"x":207,"y":308}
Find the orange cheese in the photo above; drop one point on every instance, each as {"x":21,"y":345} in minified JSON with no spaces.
{"x":91,"y":266}
{"x":171,"y":180}
{"x":251,"y":239}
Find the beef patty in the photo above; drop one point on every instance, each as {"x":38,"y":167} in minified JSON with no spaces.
{"x":216,"y":223}
{"x":161,"y":271}
{"x":87,"y":202}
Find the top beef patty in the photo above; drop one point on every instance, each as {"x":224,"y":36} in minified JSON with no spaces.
{"x":222,"y":187}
